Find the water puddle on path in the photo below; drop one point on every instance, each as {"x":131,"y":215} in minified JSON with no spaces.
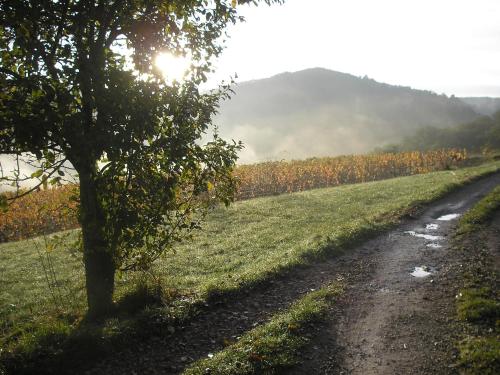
{"x":434,"y":245}
{"x":448,"y":217}
{"x":425,"y":236}
{"x":421,"y":272}
{"x":431,"y":226}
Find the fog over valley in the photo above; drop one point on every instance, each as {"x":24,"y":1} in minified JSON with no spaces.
{"x":320,"y":112}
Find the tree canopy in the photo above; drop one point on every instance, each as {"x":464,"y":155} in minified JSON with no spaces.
{"x":79,"y":87}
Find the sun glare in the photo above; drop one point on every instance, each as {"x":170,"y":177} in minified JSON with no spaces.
{"x":172,"y":67}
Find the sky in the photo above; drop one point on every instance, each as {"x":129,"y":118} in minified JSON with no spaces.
{"x":446,"y":46}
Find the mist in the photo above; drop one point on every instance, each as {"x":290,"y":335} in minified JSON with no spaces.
{"x":319,"y":112}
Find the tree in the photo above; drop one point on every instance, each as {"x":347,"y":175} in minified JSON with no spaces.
{"x":78,"y":86}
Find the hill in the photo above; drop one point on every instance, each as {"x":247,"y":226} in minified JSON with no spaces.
{"x":318,"y":112}
{"x":480,"y":135}
{"x":484,"y":106}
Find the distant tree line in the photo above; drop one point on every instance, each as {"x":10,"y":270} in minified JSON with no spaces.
{"x":477,"y":136}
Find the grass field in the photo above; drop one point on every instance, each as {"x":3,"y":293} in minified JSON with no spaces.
{"x":255,"y":238}
{"x":240,"y":245}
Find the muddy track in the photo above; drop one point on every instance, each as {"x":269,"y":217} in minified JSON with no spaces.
{"x":366,"y":333}
{"x":392,"y":322}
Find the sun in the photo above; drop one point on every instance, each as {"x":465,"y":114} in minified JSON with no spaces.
{"x":173,"y":68}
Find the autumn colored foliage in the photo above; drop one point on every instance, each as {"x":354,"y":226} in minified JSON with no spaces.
{"x":41,"y":212}
{"x":53,"y":210}
{"x":257,"y":180}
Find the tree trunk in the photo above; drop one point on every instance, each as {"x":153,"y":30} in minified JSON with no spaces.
{"x":98,"y":259}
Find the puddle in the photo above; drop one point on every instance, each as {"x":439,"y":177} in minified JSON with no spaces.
{"x":448,"y":217}
{"x":426,"y":236}
{"x":456,"y":205}
{"x":434,"y":245}
{"x":431,"y":226}
{"x":421,"y":272}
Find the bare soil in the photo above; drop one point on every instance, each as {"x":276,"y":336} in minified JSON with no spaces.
{"x":388,"y":322}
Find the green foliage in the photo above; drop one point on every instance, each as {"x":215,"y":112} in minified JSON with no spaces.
{"x":3,"y":202}
{"x":480,"y":356}
{"x":479,"y":214}
{"x":78,"y":97}
{"x":273,"y":346}
{"x":477,"y":305}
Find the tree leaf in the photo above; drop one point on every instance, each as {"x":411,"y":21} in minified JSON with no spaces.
{"x":37,"y":173}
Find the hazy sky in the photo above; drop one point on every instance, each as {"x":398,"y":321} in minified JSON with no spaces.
{"x":450,"y":46}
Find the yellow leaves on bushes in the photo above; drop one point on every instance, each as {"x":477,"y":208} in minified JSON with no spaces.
{"x":38,"y":213}
{"x":53,"y":210}
{"x":279,"y":177}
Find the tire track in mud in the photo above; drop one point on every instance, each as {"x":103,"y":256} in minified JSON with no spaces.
{"x":381,"y":290}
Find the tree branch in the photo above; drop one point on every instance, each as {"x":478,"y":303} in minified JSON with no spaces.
{"x":60,"y":27}
{"x":37,"y":186}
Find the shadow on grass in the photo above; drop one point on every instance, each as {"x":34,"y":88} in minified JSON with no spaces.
{"x":148,"y":311}
{"x":66,"y":344}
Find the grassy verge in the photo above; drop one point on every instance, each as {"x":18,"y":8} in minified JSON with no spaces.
{"x":478,"y":302}
{"x":480,"y":355}
{"x":274,"y":345}
{"x":42,"y":295}
{"x":475,"y":218}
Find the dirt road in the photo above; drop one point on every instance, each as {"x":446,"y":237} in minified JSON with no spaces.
{"x":398,"y":319}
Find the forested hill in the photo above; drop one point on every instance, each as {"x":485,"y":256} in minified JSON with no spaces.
{"x":322,"y":112}
{"x":484,"y":106}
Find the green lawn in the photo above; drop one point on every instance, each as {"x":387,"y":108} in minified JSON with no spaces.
{"x":239,"y":245}
{"x":255,"y":238}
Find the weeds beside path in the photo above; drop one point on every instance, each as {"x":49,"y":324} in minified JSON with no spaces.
{"x":478,"y":300}
{"x":275,"y":345}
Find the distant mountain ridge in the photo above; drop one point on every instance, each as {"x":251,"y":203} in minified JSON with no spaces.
{"x":317,"y":112}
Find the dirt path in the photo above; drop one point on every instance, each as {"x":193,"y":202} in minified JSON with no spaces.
{"x":392,"y":322}
{"x":369,"y":332}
